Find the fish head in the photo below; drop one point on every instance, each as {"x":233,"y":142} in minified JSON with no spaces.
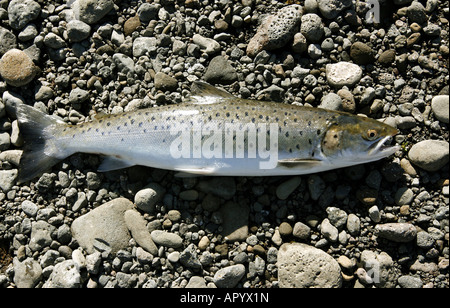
{"x":357,"y":139}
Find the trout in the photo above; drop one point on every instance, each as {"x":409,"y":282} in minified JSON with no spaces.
{"x":212,"y":133}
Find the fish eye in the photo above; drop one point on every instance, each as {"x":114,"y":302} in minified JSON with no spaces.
{"x":372,"y":134}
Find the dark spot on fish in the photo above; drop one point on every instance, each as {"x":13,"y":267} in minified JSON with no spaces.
{"x":290,"y":150}
{"x":287,"y":134}
{"x":100,"y":121}
{"x":261,"y":116}
{"x":73,"y":136}
{"x":97,"y":130}
{"x":108,"y":124}
{"x":298,"y":146}
{"x":145,"y":130}
{"x":125,"y":124}
{"x":309,"y":123}
{"x":153,"y":118}
{"x":129,"y":117}
{"x":253,"y":120}
{"x":295,"y":120}
{"x":89,"y":129}
{"x":122,"y":140}
{"x":310,"y":141}
{"x":318,"y":132}
{"x":227,"y":114}
{"x":210,"y":118}
{"x":118,"y":127}
{"x":140,"y":124}
{"x":246,"y":113}
{"x":217,"y":115}
{"x":132,"y":122}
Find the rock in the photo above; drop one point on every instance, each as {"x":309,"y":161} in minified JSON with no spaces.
{"x":64,"y":275}
{"x":229,"y":277}
{"x":138,"y":228}
{"x":29,"y":208}
{"x":331,"y":101}
{"x":147,"y":12}
{"x":330,"y":9}
{"x":92,"y":11}
{"x":189,"y":258}
{"x":361,"y":53}
{"x":196,"y":282}
{"x":131,"y":25}
{"x":165,"y":82}
{"x":78,"y":30}
{"x":166,"y":239}
{"x":223,"y":187}
{"x":301,"y":231}
{"x":440,"y":107}
{"x":380,"y":268}
{"x":397,"y":232}
{"x":343,"y":74}
{"x":316,"y":186}
{"x":387,"y":57}
{"x":54,"y":41}
{"x":276,"y":30}
{"x":40,"y":235}
{"x":16,"y":68}
{"x":416,"y":13}
{"x":404,"y":196}
{"x":285,"y":189}
{"x":430,"y":155}
{"x":27,"y":274}
{"x":235,"y":221}
{"x":146,"y":198}
{"x":7,"y":40}
{"x":141,"y":45}
{"x":311,"y":27}
{"x":103,"y":228}
{"x":220,"y":71}
{"x":353,"y":224}
{"x":206,"y":44}
{"x":303,"y":266}
{"x":337,"y":217}
{"x":425,"y":240}
{"x":329,"y":231}
{"x":299,"y":44}
{"x":124,"y":63}
{"x":93,"y":262}
{"x":410,"y":282}
{"x":78,"y":96}
{"x":21,"y":12}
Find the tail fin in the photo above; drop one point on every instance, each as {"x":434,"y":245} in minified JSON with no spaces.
{"x":38,"y":131}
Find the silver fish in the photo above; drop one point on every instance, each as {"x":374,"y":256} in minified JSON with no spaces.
{"x":213,"y":133}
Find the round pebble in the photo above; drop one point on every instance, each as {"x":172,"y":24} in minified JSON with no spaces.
{"x":16,"y":68}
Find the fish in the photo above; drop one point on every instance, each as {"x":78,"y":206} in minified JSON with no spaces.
{"x":211,"y":133}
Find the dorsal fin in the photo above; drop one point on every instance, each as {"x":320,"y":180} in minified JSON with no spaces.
{"x":204,"y":93}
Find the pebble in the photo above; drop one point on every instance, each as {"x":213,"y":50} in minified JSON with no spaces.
{"x":276,"y":30}
{"x":138,"y":228}
{"x":147,"y":198}
{"x":165,"y":82}
{"x":207,"y":45}
{"x":77,"y":30}
{"x":229,"y":277}
{"x":303,"y":266}
{"x":65,"y":275}
{"x":16,"y":68}
{"x":361,"y":53}
{"x":330,"y":9}
{"x":27,"y":273}
{"x":430,"y":155}
{"x":380,"y":268}
{"x":329,"y":231}
{"x":331,"y":101}
{"x":220,"y":71}
{"x":166,"y":239}
{"x":353,"y":224}
{"x":29,"y":208}
{"x":92,"y":11}
{"x":285,"y":189}
{"x":397,"y":232}
{"x":301,"y":231}
{"x":416,"y":13}
{"x":311,"y":27}
{"x":404,"y":196}
{"x":343,"y":74}
{"x":21,"y":12}
{"x":235,"y":221}
{"x":103,"y":227}
{"x":440,"y":107}
{"x":410,"y":282}
{"x":7,"y":40}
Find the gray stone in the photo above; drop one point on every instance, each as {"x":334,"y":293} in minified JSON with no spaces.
{"x":92,"y":11}
{"x":353,"y":224}
{"x":165,"y":82}
{"x":416,"y":13}
{"x":93,"y":262}
{"x":303,"y":266}
{"x":329,"y":231}
{"x":331,"y":101}
{"x":7,"y":40}
{"x":343,"y":74}
{"x":29,"y":208}
{"x":425,"y":240}
{"x":430,"y":155}
{"x":124,"y":63}
{"x":142,"y":45}
{"x":337,"y":217}
{"x":301,"y":230}
{"x":104,"y":227}
{"x":146,"y":198}
{"x":21,"y":12}
{"x":27,"y":274}
{"x":229,"y":277}
{"x":8,"y":179}
{"x":196,"y":282}
{"x":223,"y":187}
{"x":189,"y":258}
{"x":410,"y":282}
{"x":440,"y":107}
{"x":65,"y":275}
{"x":316,"y":186}
{"x":40,"y":235}
{"x":220,"y":71}
{"x":235,"y":221}
{"x":166,"y":239}
{"x":397,"y":232}
{"x":404,"y":196}
{"x":206,"y":44}
{"x":285,"y":189}
{"x":147,"y":12}
{"x":78,"y":96}
{"x":78,"y":30}
{"x":330,"y":9}
{"x":138,"y":228}
{"x":276,"y":30}
{"x":380,"y":268}
{"x":17,"y":68}
{"x":312,"y":27}
{"x":54,"y":41}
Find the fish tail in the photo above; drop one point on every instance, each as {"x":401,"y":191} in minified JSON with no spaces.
{"x":41,"y":150}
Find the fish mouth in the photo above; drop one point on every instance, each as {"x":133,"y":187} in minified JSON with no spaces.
{"x":383,"y":147}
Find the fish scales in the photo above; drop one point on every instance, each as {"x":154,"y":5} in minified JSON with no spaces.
{"x":214,"y":133}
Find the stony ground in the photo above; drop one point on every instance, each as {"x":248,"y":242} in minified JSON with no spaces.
{"x":384,"y":224}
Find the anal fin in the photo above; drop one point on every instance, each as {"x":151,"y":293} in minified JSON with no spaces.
{"x":111,"y":163}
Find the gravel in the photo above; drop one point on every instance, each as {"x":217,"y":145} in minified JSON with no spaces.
{"x":383,"y":224}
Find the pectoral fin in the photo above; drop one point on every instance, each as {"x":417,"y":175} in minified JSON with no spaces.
{"x":296,"y":163}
